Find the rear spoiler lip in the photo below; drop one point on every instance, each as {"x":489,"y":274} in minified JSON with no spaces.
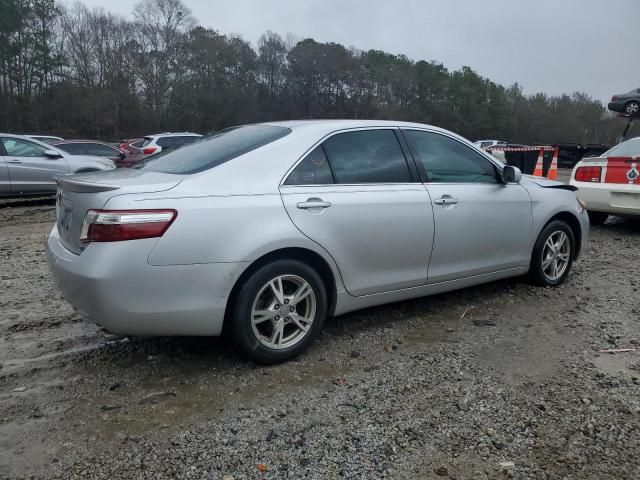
{"x":80,"y":186}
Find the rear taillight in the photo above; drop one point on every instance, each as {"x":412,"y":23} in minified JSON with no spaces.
{"x":120,"y":225}
{"x":149,"y":150}
{"x":588,"y":174}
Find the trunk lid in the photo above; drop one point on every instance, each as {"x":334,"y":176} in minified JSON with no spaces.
{"x":79,"y":193}
{"x":622,"y":170}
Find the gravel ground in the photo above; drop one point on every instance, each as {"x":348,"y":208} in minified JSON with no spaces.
{"x":497,"y":381}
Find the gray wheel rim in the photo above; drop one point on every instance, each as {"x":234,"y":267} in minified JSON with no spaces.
{"x":283,"y":312}
{"x":632,"y":108}
{"x":556,"y":255}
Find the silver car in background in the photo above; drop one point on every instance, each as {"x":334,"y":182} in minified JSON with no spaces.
{"x":29,"y":166}
{"x":266,"y":230}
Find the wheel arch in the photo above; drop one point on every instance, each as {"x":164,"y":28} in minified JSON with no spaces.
{"x":573,"y":222}
{"x":305,"y":255}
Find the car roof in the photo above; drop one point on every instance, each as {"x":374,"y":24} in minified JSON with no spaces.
{"x":169,"y":134}
{"x":328,"y":126}
{"x":78,"y":140}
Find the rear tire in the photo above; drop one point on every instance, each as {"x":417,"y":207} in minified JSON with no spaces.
{"x":552,"y":255}
{"x":632,"y":108}
{"x":270,"y":323}
{"x":597,"y":218}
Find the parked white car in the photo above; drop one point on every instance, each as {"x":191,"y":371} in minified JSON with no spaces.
{"x":610,"y":184}
{"x":488,"y":143}
{"x":164,"y":141}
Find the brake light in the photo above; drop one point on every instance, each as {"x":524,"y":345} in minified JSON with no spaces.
{"x":588,"y":174}
{"x":120,"y":225}
{"x":149,"y":150}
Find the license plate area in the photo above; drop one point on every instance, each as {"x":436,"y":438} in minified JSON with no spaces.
{"x":625,"y":200}
{"x":64,"y":208}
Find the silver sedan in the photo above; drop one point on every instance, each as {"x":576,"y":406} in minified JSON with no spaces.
{"x":266,"y":230}
{"x":29,"y":166}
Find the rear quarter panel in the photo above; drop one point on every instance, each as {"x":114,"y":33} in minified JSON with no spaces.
{"x":222,"y":229}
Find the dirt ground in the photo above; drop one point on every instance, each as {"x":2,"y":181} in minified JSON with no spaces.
{"x":496,"y":381}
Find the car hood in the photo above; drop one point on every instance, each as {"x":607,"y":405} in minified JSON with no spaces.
{"x":546,"y":183}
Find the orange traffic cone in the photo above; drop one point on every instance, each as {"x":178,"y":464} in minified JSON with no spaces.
{"x":538,"y":171}
{"x":553,"y":169}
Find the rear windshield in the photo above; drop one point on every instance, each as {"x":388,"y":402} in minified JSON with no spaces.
{"x":215,"y":149}
{"x":630,"y":148}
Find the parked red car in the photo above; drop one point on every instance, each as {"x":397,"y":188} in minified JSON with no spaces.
{"x":133,"y":148}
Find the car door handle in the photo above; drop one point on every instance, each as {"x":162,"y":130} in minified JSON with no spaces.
{"x":313,"y":203}
{"x":445,"y":200}
{"x":14,"y":160}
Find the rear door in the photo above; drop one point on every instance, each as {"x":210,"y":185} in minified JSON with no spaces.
{"x":30,"y":171}
{"x":358,"y":197}
{"x":481,"y":225}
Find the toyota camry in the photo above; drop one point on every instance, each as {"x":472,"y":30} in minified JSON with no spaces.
{"x":266,"y":230}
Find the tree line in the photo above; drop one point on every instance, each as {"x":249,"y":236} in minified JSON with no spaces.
{"x":80,"y":72}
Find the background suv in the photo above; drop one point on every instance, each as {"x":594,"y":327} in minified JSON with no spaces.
{"x":164,"y":141}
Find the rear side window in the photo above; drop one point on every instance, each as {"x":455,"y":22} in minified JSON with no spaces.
{"x":100,"y":150}
{"x":367,"y":156}
{"x":72,"y":148}
{"x":446,"y":160}
{"x":630,"y":148}
{"x":146,"y":141}
{"x":216,"y":149}
{"x":313,"y":170}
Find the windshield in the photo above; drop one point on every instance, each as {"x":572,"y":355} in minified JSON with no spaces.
{"x":630,"y":148}
{"x":215,"y":149}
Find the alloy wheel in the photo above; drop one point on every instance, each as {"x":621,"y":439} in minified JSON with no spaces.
{"x":556,"y":255}
{"x":283,"y":312}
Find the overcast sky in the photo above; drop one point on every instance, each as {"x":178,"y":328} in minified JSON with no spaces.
{"x":553,"y":46}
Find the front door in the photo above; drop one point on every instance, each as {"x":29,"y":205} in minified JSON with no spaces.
{"x":356,"y":197}
{"x":481,"y":224}
{"x":29,"y":169}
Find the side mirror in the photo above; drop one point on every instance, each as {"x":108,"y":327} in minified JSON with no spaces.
{"x":511,"y":174}
{"x":52,"y":154}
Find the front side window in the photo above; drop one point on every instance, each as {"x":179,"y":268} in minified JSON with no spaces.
{"x":215,"y":149}
{"x":313,"y":170}
{"x":16,"y":147}
{"x":99,"y":150}
{"x":367,"y":156}
{"x":446,"y":160}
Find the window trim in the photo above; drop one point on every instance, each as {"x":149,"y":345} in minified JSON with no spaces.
{"x":415,"y":177}
{"x":423,"y":174}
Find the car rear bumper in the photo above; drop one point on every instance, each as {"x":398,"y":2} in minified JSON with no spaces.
{"x":609,"y":198}
{"x":616,"y":106}
{"x":113,"y":286}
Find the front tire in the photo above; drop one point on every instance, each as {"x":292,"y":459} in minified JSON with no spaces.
{"x":597,"y":218}
{"x":632,"y":108}
{"x":552,"y":255}
{"x":279,"y":311}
